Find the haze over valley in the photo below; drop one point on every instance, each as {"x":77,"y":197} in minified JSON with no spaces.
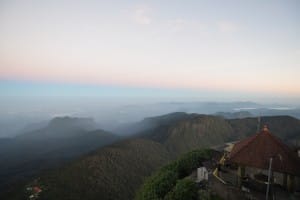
{"x":149,"y":100}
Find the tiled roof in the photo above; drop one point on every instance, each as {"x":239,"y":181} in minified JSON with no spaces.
{"x":257,"y":150}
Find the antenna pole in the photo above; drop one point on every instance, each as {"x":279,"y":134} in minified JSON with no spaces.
{"x":269,"y":178}
{"x":258,"y":124}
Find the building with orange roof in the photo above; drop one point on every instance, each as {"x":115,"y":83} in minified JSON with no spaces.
{"x":254,"y":154}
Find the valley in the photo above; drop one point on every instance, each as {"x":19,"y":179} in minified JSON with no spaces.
{"x":117,"y":170}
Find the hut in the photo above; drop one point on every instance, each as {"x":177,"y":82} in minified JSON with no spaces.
{"x":254,"y":156}
{"x":202,"y":174}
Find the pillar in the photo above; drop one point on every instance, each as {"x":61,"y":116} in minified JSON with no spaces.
{"x":240,"y":175}
{"x":284,"y":181}
{"x":290,"y":183}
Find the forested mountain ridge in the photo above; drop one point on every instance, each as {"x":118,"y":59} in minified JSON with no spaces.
{"x":116,"y":171}
{"x":48,"y":147}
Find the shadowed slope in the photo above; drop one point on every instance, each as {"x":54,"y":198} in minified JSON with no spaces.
{"x":111,"y":173}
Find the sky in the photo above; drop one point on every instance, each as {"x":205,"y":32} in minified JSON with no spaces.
{"x":212,"y":49}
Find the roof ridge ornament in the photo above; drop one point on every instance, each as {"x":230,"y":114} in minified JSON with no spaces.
{"x":265,"y":128}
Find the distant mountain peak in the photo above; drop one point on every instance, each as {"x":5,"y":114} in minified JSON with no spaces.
{"x":70,"y":120}
{"x":62,"y":127}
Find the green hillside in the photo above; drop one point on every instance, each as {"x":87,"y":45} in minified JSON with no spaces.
{"x":111,"y":173}
{"x":163,"y":184}
{"x":285,"y":127}
{"x":200,"y":132}
{"x":62,"y":140}
{"x":117,"y":171}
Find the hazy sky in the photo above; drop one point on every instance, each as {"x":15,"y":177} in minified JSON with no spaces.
{"x":139,"y":48}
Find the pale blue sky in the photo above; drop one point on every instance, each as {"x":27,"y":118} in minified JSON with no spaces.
{"x":213,"y":48}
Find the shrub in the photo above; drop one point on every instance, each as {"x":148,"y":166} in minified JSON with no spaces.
{"x":157,"y":186}
{"x":190,"y":161}
{"x":185,"y":189}
{"x":161,"y":183}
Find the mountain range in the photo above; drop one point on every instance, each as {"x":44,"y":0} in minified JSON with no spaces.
{"x":60,"y":141}
{"x":117,"y":170}
{"x":113,"y":117}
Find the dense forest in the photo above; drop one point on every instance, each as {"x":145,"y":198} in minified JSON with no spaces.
{"x":117,"y":171}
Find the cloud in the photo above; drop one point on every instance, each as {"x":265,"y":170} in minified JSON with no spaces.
{"x":227,"y":26}
{"x":177,"y":24}
{"x":141,"y":16}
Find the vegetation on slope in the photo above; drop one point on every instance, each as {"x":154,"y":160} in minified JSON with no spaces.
{"x":166,"y":184}
{"x":184,"y":189}
{"x":199,"y":132}
{"x":189,"y":132}
{"x":285,"y":127}
{"x":111,"y":173}
{"x":24,"y":157}
{"x":117,"y":171}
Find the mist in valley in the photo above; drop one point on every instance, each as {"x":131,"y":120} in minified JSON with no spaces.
{"x":25,"y":114}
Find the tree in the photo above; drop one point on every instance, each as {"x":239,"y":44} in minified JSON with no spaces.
{"x":185,"y":189}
